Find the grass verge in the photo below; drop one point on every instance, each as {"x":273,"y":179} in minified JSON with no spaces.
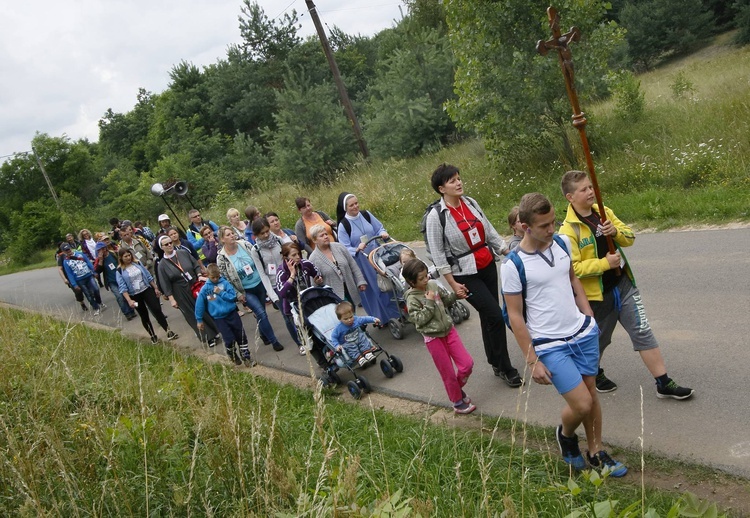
{"x":92,"y":423}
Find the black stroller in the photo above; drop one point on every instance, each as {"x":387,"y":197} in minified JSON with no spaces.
{"x":318,"y":313}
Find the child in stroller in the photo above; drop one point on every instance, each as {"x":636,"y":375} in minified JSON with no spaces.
{"x":316,"y":311}
{"x":350,"y":337}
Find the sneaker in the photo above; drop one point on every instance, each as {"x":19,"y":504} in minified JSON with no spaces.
{"x":569,"y":449}
{"x":84,"y":307}
{"x":464,"y":408}
{"x":604,"y":384}
{"x":302,"y":350}
{"x":278,"y":347}
{"x":674,"y":391}
{"x":362,"y":361}
{"x":607,"y":464}
{"x":212,"y":343}
{"x":511,"y":378}
{"x":235,"y":358}
{"x":249,"y":362}
{"x":171,"y":335}
{"x":370,"y":357}
{"x":154,"y":339}
{"x":102,"y":306}
{"x":466,"y":399}
{"x":131,"y":317}
{"x":97,"y":312}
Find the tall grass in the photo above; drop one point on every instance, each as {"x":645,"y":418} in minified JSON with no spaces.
{"x":94,"y":424}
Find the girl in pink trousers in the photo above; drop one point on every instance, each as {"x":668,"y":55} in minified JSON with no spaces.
{"x":426,"y":302}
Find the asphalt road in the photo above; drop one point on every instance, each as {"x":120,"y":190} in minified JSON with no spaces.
{"x":695,"y":287}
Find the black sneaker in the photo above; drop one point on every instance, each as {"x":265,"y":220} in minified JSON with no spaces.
{"x":277,"y":346}
{"x":131,"y":317}
{"x":512,"y":378}
{"x":84,"y":307}
{"x":171,"y":335}
{"x":674,"y":391}
{"x":569,"y":449}
{"x":604,"y":384}
{"x":154,"y":339}
{"x":235,"y":357}
{"x":603,"y":461}
{"x":212,"y":343}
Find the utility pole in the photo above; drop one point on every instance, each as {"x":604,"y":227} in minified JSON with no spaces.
{"x":46,"y":178}
{"x":337,"y":78}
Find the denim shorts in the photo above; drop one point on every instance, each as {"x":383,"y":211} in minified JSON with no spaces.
{"x":571,"y":360}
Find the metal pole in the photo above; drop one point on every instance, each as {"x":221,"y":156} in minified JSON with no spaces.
{"x":46,"y":178}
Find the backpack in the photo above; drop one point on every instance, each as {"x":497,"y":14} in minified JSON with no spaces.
{"x":516,"y":260}
{"x":449,"y":255}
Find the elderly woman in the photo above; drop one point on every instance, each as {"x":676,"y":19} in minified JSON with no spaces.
{"x":236,"y":223}
{"x":286,"y":235}
{"x":240,"y":264}
{"x":295,"y":275}
{"x":355,"y":228}
{"x":464,"y":247}
{"x":141,"y":293}
{"x":337,"y":266}
{"x":307,"y":220}
{"x":178,"y":272}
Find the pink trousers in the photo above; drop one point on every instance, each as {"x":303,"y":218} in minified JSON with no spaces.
{"x":446,"y":352}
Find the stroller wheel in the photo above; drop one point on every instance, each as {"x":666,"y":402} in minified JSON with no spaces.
{"x":396,"y":328}
{"x":362,"y":382}
{"x":334,"y":377}
{"x":396,"y":363}
{"x":465,"y":313}
{"x":455,"y":315}
{"x":387,"y":368}
{"x":354,"y":389}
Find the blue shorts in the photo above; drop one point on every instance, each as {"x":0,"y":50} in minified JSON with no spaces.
{"x":569,"y":361}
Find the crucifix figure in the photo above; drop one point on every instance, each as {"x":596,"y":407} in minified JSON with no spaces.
{"x":560,"y":43}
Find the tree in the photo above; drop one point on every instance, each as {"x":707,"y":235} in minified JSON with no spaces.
{"x":312,"y":137}
{"x":661,"y":27}
{"x":742,"y":22}
{"x":404,"y":112}
{"x":507,"y":93}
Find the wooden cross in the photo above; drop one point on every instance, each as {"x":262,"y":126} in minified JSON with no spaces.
{"x":560,"y":43}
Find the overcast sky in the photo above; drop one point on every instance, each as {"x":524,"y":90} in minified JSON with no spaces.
{"x":64,"y":62}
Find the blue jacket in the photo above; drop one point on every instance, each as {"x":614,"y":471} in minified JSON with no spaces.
{"x":219,"y":305}
{"x":350,"y":334}
{"x":125,"y":283}
{"x":77,"y":268}
{"x":195,"y":238}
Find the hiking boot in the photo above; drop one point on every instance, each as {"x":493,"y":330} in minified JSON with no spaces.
{"x":464,"y":408}
{"x":674,"y":391}
{"x":607,"y":464}
{"x":569,"y":449}
{"x":171,"y":335}
{"x":511,"y":378}
{"x":604,"y":384}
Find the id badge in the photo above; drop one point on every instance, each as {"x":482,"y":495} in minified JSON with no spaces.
{"x":111,"y":266}
{"x":272,"y":270}
{"x":474,"y":238}
{"x":188,"y":277}
{"x":138,"y":255}
{"x":248,"y":270}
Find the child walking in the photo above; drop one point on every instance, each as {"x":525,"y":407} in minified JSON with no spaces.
{"x":220,"y":299}
{"x":426,"y":302}
{"x":349,"y":336}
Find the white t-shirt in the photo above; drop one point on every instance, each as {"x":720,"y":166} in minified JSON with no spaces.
{"x":551,"y":310}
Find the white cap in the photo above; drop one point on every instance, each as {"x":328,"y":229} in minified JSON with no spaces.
{"x":163,"y":217}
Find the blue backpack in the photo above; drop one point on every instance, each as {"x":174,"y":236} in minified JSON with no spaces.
{"x":516,"y":260}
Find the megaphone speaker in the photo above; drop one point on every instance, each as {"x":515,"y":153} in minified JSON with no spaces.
{"x":181,"y":188}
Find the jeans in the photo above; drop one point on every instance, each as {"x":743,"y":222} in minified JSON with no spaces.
{"x":91,"y":290}
{"x":255,"y":299}
{"x":124,"y":307}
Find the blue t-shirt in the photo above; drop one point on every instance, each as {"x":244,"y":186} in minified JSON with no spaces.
{"x":246,"y":269}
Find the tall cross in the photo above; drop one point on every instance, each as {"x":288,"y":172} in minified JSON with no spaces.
{"x":560,"y":43}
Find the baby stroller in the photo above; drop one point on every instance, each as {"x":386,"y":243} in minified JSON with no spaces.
{"x":317,"y":309}
{"x":386,"y":259}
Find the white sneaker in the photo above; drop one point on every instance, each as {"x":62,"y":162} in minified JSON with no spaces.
{"x":369,"y":356}
{"x":102,"y":306}
{"x":362,"y":361}
{"x":97,"y":312}
{"x":302,"y":350}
